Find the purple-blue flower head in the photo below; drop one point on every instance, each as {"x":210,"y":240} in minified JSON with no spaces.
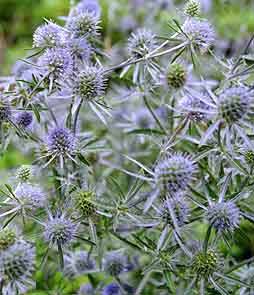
{"x":111,"y":289}
{"x":49,"y":35}
{"x":60,"y":230}
{"x":61,"y":142}
{"x":24,"y":119}
{"x":223,"y":216}
{"x":174,"y":173}
{"x":58,"y":62}
{"x":90,"y":83}
{"x":115,"y":263}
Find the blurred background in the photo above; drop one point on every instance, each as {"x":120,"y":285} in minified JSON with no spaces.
{"x":233,"y":19}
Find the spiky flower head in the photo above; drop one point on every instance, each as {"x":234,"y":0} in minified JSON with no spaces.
{"x":24,"y":119}
{"x":114,"y":263}
{"x":194,"y":108}
{"x":223,"y":216}
{"x":111,"y":289}
{"x":61,"y":142}
{"x":48,"y":35}
{"x":60,"y":230}
{"x":7,"y":238}
{"x":200,"y":33}
{"x":235,"y":104}
{"x":78,"y":263}
{"x":84,"y":202}
{"x":141,"y":43}
{"x":5,"y":111}
{"x":17,"y":264}
{"x":204,"y":264}
{"x":90,"y":83}
{"x":174,"y":173}
{"x":58,"y":62}
{"x":91,"y":6}
{"x":24,"y":173}
{"x":85,"y":24}
{"x":249,"y":157}
{"x":30,"y":196}
{"x":176,"y":76}
{"x":179,"y":207}
{"x":80,"y":48}
{"x":192,"y":8}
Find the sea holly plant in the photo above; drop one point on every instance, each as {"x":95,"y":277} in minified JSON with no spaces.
{"x":139,"y":156}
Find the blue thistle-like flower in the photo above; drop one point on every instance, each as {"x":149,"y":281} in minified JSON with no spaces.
{"x":30,"y":196}
{"x":180,"y":208}
{"x":174,"y":173}
{"x":24,"y":119}
{"x":17,"y":264}
{"x":90,"y":83}
{"x":115,"y":263}
{"x":48,"y":35}
{"x":223,"y":216}
{"x":80,"y":48}
{"x":60,"y":230}
{"x":58,"y":62}
{"x":141,"y":43}
{"x":200,"y":32}
{"x":235,"y":104}
{"x":78,"y":263}
{"x":111,"y":289}
{"x":61,"y":142}
{"x":24,"y":173}
{"x":92,"y":6}
{"x":85,"y":24}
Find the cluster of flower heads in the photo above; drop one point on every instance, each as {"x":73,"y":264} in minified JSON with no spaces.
{"x":140,"y":157}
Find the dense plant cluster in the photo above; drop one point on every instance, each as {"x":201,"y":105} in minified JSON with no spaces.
{"x":141,"y":159}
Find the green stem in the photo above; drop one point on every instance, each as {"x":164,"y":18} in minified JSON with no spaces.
{"x":154,"y":115}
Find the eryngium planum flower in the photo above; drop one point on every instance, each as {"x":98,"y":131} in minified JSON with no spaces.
{"x":84,"y":202}
{"x":60,"y":230}
{"x":17,"y":264}
{"x":200,"y":33}
{"x":111,"y":289}
{"x":80,"y":49}
{"x":235,"y":104}
{"x":223,"y":216}
{"x":141,"y":43}
{"x":24,"y":119}
{"x":192,"y":8}
{"x":204,"y":264}
{"x":61,"y":142}
{"x":90,"y":83}
{"x":115,"y":263}
{"x":24,"y":173}
{"x":30,"y":196}
{"x":58,"y":62}
{"x":85,"y":24}
{"x":174,"y":173}
{"x":7,"y":238}
{"x":176,"y":76}
{"x":48,"y":35}
{"x":91,"y":6}
{"x":78,"y":263}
